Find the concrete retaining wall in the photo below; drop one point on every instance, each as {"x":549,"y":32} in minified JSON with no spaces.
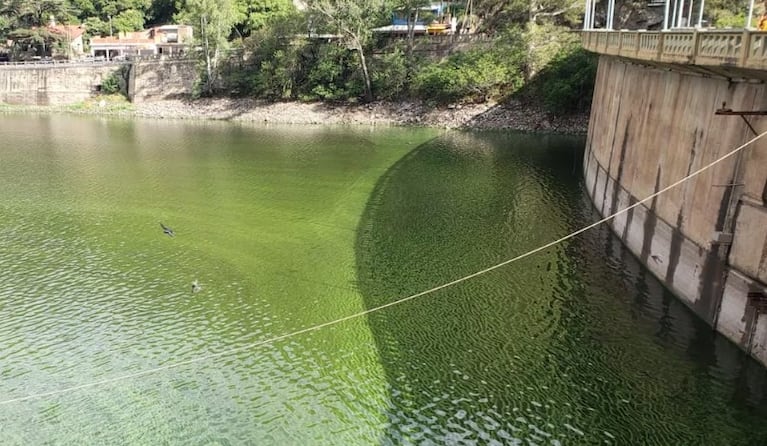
{"x":650,"y":127}
{"x":51,"y":84}
{"x":61,"y":84}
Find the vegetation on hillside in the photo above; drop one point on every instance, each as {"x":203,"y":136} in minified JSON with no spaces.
{"x":261,"y":48}
{"x":528,"y":53}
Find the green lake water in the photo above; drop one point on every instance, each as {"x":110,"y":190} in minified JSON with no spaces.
{"x":290,"y":227}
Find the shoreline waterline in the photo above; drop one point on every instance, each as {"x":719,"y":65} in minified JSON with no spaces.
{"x":511,"y":115}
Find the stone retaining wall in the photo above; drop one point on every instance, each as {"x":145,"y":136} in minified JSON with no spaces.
{"x":51,"y":84}
{"x":62,"y":84}
{"x":164,"y":79}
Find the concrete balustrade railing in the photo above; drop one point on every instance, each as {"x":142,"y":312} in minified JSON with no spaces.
{"x":613,"y":43}
{"x":677,"y":47}
{"x":744,"y":49}
{"x":757,"y":51}
{"x":630,"y":41}
{"x":649,"y":46}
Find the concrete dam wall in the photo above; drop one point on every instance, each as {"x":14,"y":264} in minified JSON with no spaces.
{"x":706,"y":239}
{"x":62,"y":84}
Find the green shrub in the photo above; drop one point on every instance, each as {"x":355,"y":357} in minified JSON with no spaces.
{"x":200,"y":88}
{"x":110,"y":85}
{"x":546,"y":43}
{"x":389,"y":75}
{"x":566,"y":85}
{"x":438,"y":82}
{"x":333,"y":75}
{"x":275,"y":64}
{"x":475,"y":75}
{"x":115,"y":83}
{"x":727,"y":19}
{"x":277,"y":77}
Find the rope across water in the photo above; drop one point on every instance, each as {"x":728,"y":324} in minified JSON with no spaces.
{"x":253,"y":345}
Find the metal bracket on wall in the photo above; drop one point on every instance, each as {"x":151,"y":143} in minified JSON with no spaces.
{"x":758,"y":300}
{"x":730,"y":112}
{"x":723,"y":238}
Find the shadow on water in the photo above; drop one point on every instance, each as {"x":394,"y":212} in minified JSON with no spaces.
{"x":578,"y":344}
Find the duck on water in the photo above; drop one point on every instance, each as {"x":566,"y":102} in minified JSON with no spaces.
{"x":168,"y":231}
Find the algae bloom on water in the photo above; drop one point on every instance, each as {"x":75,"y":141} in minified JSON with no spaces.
{"x":284,"y":228}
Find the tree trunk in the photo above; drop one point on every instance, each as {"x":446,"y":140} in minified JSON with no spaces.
{"x":365,"y":73}
{"x":208,"y":65}
{"x":411,"y":33}
{"x":214,"y":67}
{"x":465,"y":22}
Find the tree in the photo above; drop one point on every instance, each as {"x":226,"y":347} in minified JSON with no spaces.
{"x":106,"y":8}
{"x":86,"y":8}
{"x":353,"y":20}
{"x":256,"y":14}
{"x":33,"y":13}
{"x":38,"y":41}
{"x":5,"y":25}
{"x":411,"y":8}
{"x":128,"y":20}
{"x":161,"y":12}
{"x":723,"y":13}
{"x":495,"y":14}
{"x":109,"y":16}
{"x":216,"y":19}
{"x":94,"y":26}
{"x":24,"y":22}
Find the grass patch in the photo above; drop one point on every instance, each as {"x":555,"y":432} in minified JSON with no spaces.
{"x":104,"y":103}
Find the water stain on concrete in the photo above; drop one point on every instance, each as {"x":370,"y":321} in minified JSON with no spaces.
{"x":711,"y":286}
{"x":650,"y":222}
{"x":629,"y":218}
{"x":621,"y":164}
{"x":675,"y":251}
{"x":750,"y":318}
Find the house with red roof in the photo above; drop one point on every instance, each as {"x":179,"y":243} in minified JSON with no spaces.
{"x":71,"y":36}
{"x":53,"y":40}
{"x":166,"y":40}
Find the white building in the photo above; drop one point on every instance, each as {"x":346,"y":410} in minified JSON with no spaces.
{"x":166,"y":40}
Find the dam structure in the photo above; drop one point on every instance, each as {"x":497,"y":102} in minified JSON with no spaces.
{"x":665,"y":104}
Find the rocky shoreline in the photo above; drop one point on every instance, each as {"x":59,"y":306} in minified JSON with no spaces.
{"x":507,"y":116}
{"x":511,"y":115}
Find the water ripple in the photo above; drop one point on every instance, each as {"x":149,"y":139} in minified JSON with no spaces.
{"x":576,"y":346}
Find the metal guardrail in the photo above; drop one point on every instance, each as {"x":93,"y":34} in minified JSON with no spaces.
{"x":444,"y":38}
{"x":744,"y":49}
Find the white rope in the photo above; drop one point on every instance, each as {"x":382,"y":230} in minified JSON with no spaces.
{"x":380,"y":307}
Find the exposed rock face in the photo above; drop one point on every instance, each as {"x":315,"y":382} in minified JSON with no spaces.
{"x":634,"y":15}
{"x":640,"y":15}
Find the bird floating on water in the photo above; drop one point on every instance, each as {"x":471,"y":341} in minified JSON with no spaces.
{"x":167,"y":230}
{"x":196,"y":287}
